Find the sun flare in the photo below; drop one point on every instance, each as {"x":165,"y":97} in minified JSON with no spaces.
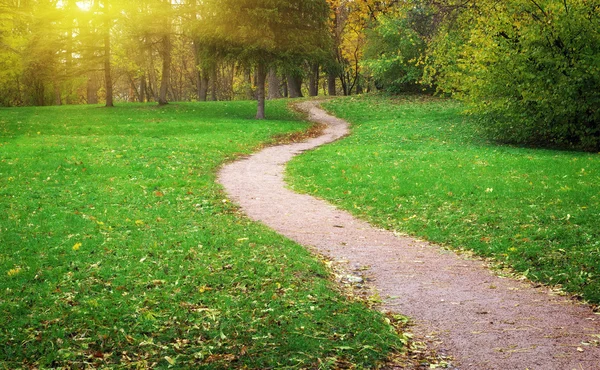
{"x":84,"y":5}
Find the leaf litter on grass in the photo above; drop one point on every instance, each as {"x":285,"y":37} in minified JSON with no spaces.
{"x":123,"y":252}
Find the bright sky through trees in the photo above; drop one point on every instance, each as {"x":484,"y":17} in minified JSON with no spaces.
{"x":84,"y":5}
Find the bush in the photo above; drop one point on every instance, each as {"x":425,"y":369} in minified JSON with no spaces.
{"x":531,"y":69}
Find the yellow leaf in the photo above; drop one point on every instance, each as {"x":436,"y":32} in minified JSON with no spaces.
{"x":76,"y":246}
{"x":204,"y":288}
{"x":139,"y":222}
{"x":170,"y":360}
{"x":13,"y":272}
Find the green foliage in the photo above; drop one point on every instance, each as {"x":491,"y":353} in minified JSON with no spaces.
{"x":10,"y":61}
{"x":265,"y":30}
{"x":531,"y":69}
{"x":395,"y":48}
{"x":119,"y":250}
{"x":419,"y":167}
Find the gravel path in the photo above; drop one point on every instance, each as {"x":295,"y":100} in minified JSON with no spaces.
{"x":481,"y":320}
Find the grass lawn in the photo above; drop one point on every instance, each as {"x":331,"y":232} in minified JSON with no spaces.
{"x":418,"y":166}
{"x":117,"y":248}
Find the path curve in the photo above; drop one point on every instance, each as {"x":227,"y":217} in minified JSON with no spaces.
{"x":483,"y":321}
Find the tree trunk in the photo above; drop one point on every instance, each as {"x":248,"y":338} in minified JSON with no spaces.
{"x":166,"y":69}
{"x":202,"y":72}
{"x":92,"y":90}
{"x":69,"y":67}
{"x":71,"y":5}
{"x":214,"y":77}
{"x":286,"y":91}
{"x":142,"y":95}
{"x":107,"y":73}
{"x":107,"y":52}
{"x":294,"y":86}
{"x":39,"y":93}
{"x":203,"y":87}
{"x":331,"y":80}
{"x":57,"y":94}
{"x":344,"y":80}
{"x":274,"y":84}
{"x":313,"y":85}
{"x":133,"y":92}
{"x":261,"y":75}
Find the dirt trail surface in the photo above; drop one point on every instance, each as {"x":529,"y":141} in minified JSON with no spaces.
{"x":481,"y":320}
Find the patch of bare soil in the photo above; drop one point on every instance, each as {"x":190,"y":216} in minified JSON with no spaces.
{"x":457,"y":306}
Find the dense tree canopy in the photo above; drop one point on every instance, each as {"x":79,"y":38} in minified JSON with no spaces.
{"x":69,"y":51}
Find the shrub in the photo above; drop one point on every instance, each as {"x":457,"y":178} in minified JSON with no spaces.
{"x":531,"y":69}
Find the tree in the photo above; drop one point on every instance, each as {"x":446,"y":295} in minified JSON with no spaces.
{"x":396,"y":47}
{"x":262,"y":32}
{"x":348,"y":23}
{"x":12,"y":34}
{"x":108,"y":82}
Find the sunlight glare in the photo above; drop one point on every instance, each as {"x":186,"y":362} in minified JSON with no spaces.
{"x":84,"y":5}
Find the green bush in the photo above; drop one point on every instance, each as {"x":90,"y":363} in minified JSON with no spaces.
{"x":531,"y":69}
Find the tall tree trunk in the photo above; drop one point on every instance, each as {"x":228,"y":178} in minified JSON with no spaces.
{"x":133,"y":92}
{"x":198,"y":76}
{"x":313,"y":85}
{"x":142,"y":95}
{"x":92,"y":89}
{"x":57,"y":94}
{"x":261,"y":76}
{"x":294,"y":86}
{"x":250,"y":94}
{"x":39,"y":93}
{"x":230,"y":74}
{"x":198,"y":83}
{"x":344,"y":80}
{"x":202,"y":72}
{"x":214,"y":85}
{"x":166,"y":69}
{"x":69,"y":66}
{"x":203,"y":88}
{"x":274,"y":84}
{"x":71,"y":5}
{"x":331,"y":80}
{"x":107,"y":52}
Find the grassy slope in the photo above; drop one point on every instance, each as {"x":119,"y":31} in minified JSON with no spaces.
{"x":420,"y":168}
{"x":117,"y":247}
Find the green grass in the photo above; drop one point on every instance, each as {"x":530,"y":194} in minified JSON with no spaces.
{"x":418,"y":166}
{"x":117,"y":249}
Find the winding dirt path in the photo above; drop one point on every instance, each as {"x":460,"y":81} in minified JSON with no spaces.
{"x":483,"y":321}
